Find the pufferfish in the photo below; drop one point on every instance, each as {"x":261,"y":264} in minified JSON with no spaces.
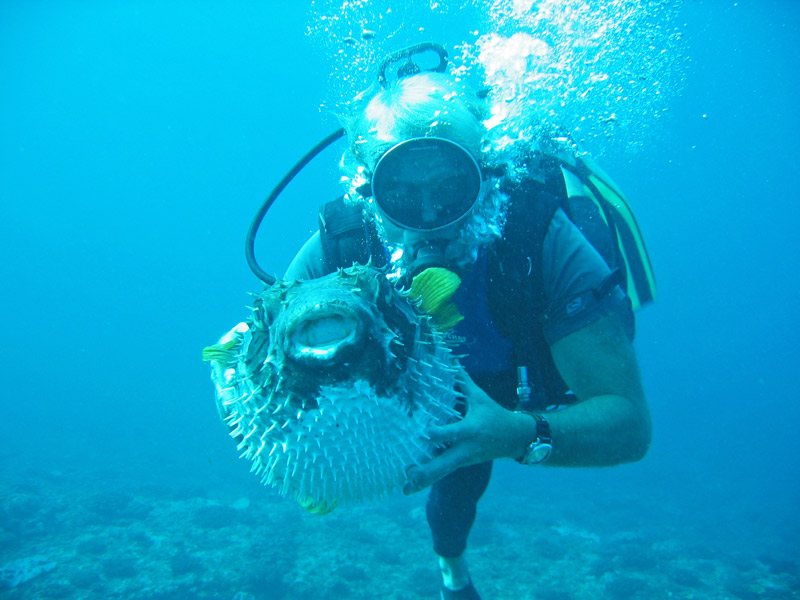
{"x":329,"y":386}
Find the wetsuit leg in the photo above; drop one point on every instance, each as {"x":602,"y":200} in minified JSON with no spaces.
{"x":452,"y":505}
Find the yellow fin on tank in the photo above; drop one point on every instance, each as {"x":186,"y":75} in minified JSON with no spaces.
{"x":433,"y":291}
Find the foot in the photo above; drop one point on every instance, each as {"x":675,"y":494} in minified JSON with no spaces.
{"x":455,"y":574}
{"x":457,"y":584}
{"x":466,"y":593}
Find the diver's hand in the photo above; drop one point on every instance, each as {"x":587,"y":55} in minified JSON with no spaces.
{"x":488,"y":431}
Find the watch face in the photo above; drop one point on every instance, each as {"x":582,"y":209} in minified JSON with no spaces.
{"x":539,"y":453}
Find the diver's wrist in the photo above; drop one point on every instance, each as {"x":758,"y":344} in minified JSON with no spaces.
{"x":525,"y":433}
{"x":540,"y":447}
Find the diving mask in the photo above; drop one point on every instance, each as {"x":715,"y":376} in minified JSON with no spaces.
{"x":426,"y":184}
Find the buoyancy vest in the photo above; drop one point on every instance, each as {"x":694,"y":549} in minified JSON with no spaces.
{"x":514,"y":289}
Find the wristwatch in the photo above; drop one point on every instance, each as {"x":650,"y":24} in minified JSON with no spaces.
{"x":538,"y":450}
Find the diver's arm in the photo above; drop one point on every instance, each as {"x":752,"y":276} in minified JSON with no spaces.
{"x":611,"y":422}
{"x":592,"y":350}
{"x":591,"y":347}
{"x":609,"y":425}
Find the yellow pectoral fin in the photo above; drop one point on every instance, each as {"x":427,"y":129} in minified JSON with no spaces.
{"x":220,"y":352}
{"x":316,"y":508}
{"x":446,"y":317}
{"x":433,"y":291}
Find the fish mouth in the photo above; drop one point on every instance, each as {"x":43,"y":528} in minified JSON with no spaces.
{"x":322,"y":337}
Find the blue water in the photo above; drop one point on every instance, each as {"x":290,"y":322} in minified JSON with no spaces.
{"x":136,"y":142}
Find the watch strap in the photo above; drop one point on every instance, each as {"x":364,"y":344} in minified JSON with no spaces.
{"x":539,"y":449}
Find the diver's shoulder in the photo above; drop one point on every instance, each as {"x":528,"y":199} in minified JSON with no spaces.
{"x":528,"y":162}
{"x":309,"y":262}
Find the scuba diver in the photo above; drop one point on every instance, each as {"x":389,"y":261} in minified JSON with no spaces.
{"x":551,"y":264}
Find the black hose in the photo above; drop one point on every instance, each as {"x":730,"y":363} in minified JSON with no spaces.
{"x":250,"y":241}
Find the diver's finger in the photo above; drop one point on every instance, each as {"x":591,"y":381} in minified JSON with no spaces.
{"x":472,"y":392}
{"x":421,"y":476}
{"x":447,"y":434}
{"x":463,"y":381}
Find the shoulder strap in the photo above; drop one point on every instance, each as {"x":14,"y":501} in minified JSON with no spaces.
{"x":516,"y":288}
{"x":347,"y":237}
{"x":514,"y":278}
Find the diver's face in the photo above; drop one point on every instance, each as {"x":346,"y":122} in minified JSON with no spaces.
{"x":432,"y":191}
{"x":418,"y":250}
{"x":423,"y":189}
{"x":426,"y":184}
{"x":411,"y":253}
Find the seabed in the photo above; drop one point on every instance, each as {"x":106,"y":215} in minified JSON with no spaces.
{"x":65,"y":538}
